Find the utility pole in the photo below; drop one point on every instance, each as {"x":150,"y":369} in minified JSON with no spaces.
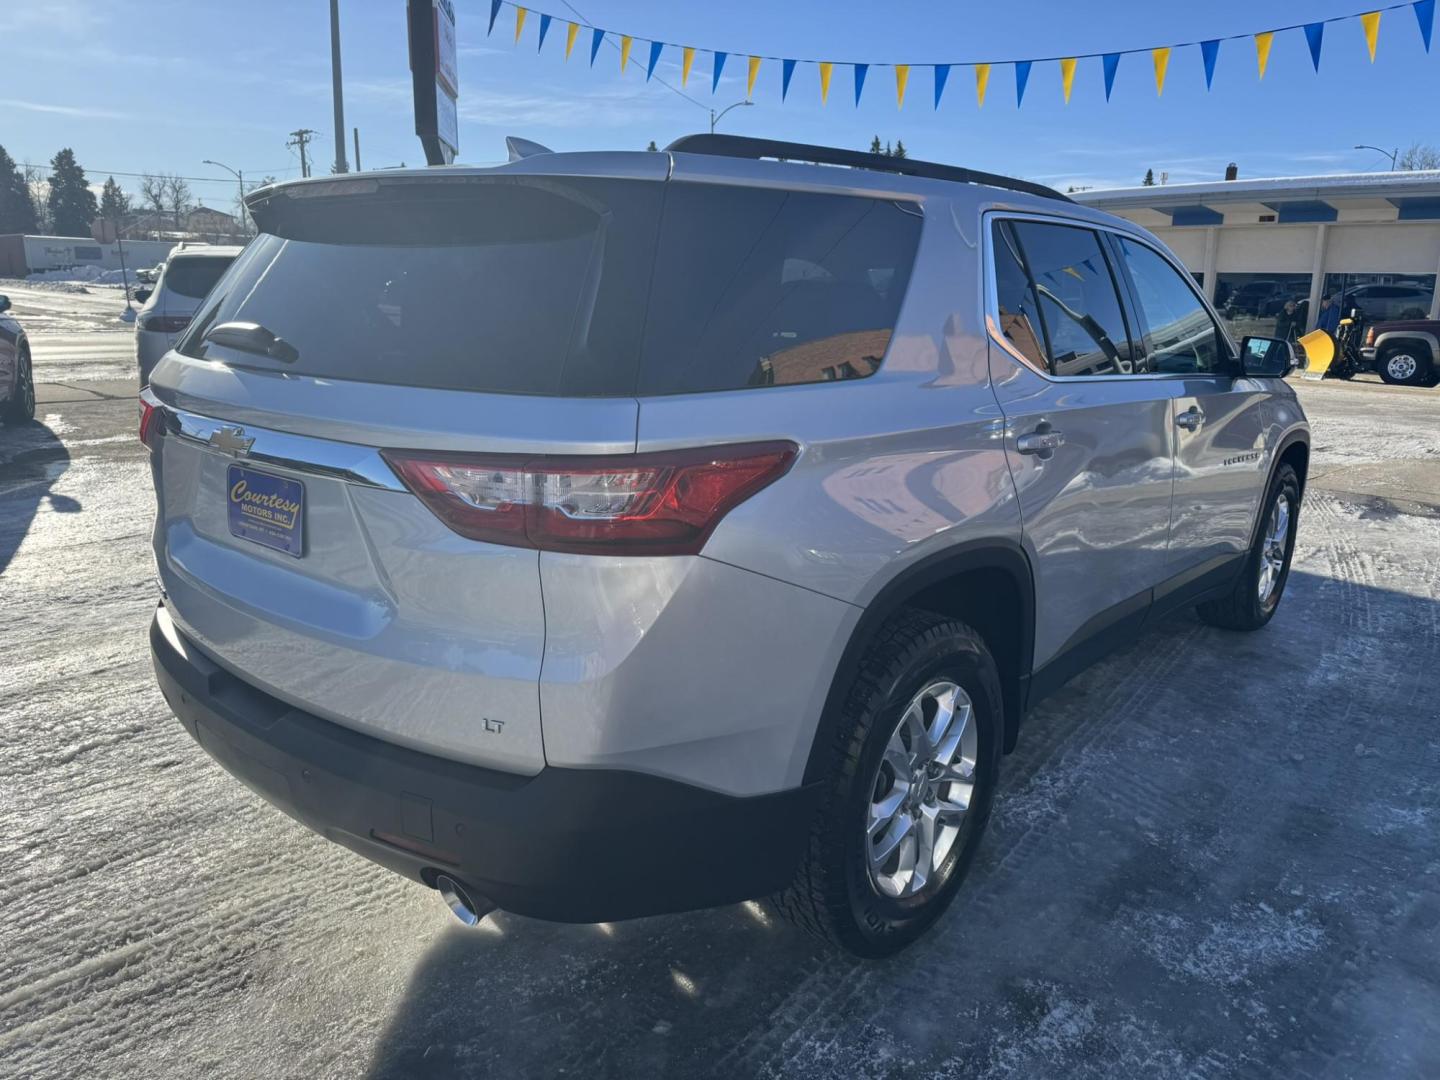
{"x":301,"y":139}
{"x":340,"y":166}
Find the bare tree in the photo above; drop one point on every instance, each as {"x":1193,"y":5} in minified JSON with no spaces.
{"x":38,"y":184}
{"x":152,"y":193}
{"x":177,"y":196}
{"x":1419,"y":156}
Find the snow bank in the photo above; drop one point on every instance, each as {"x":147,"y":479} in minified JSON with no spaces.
{"x":93,"y":275}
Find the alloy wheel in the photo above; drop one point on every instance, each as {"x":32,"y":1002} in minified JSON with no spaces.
{"x":1272,"y":552}
{"x":923,"y":787}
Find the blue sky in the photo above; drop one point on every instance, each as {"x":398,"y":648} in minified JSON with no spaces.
{"x":163,"y":85}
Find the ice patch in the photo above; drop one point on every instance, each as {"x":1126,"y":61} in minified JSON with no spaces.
{"x":1226,"y":952}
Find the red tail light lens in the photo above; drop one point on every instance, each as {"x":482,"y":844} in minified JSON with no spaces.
{"x":151,"y":416}
{"x":163,"y":324}
{"x":666,"y":503}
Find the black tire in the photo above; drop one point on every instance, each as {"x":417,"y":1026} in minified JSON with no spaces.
{"x":19,"y":408}
{"x":1243,"y":607}
{"x":1405,"y":364}
{"x":833,"y":895}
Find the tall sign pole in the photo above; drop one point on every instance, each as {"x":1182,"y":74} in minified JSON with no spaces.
{"x":339,"y":94}
{"x":435,"y":77}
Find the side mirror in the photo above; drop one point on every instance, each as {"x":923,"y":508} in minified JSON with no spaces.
{"x":141,"y":295}
{"x":1270,"y":358}
{"x":4,"y":303}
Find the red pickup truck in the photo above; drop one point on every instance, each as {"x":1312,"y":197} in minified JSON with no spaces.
{"x":1404,"y":351}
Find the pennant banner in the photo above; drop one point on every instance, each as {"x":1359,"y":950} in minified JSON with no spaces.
{"x":1160,"y":55}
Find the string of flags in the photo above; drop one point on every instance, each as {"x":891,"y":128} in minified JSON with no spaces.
{"x":1424,"y":11}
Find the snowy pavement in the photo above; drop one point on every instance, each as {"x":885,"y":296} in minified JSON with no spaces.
{"x":1212,"y":855}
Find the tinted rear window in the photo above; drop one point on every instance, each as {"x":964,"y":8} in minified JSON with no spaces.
{"x":578,"y":287}
{"x":194,"y":277}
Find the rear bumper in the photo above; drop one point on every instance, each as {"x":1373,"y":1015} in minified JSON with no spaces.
{"x":571,"y":845}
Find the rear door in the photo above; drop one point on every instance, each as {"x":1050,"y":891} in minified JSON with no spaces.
{"x":1219,"y":419}
{"x":1090,"y":441}
{"x":433,"y":317}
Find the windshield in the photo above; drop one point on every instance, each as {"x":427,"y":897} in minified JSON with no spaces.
{"x":580,"y":287}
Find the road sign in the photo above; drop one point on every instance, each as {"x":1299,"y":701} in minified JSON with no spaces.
{"x":435,"y":77}
{"x":103,"y":230}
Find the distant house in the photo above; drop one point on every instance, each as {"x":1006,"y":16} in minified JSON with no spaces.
{"x":204,"y":221}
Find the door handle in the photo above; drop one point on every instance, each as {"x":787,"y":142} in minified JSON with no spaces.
{"x":1190,"y":419}
{"x":1041,"y":442}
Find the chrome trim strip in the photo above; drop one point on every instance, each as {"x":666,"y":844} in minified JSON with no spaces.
{"x":350,"y":462}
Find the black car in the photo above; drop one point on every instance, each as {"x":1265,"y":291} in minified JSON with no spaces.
{"x":17,"y":378}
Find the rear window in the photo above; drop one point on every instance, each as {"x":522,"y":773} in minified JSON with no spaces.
{"x":195,"y":277}
{"x":575,"y":287}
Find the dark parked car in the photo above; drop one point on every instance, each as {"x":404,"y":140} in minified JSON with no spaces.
{"x":1404,"y":351}
{"x":17,"y":380}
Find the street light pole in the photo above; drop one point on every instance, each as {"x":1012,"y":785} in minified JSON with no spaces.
{"x":340,"y":166}
{"x":1391,"y":154}
{"x":239,"y":179}
{"x":715,"y":118}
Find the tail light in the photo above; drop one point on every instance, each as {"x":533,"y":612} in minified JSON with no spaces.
{"x":1370,"y":336}
{"x":152,"y":415}
{"x":665,"y":503}
{"x":163,"y":324}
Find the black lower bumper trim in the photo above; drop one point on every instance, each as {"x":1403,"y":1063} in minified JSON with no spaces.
{"x":571,"y":845}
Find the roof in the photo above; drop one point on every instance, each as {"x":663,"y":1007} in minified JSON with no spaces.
{"x":1399,"y":196}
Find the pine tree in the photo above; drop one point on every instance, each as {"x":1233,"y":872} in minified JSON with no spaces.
{"x":71,"y":203}
{"x":1149,"y":180}
{"x":652,"y":145}
{"x":875,"y":147}
{"x":114,"y":203}
{"x":899,"y":149}
{"x":17,"y":212}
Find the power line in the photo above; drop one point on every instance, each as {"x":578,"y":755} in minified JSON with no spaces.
{"x":138,"y":176}
{"x":301,"y":139}
{"x":611,"y":42}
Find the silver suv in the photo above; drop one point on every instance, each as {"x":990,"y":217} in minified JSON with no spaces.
{"x":609,"y":534}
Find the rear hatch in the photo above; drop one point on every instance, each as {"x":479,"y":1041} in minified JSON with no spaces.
{"x":186,"y":281}
{"x":497,"y":314}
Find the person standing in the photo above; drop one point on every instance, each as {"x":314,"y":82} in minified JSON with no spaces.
{"x":1329,"y":317}
{"x":1290,"y":323}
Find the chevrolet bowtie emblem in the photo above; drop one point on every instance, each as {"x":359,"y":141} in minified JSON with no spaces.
{"x":232,"y":440}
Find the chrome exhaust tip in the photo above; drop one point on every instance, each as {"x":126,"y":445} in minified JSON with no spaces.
{"x":469,"y":910}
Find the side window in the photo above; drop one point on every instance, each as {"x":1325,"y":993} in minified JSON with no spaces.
{"x":1019,"y":310}
{"x":1182,"y":336}
{"x":1080,"y":308}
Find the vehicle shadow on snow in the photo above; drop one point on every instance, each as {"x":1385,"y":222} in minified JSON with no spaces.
{"x":32,"y":458}
{"x":1129,"y":752}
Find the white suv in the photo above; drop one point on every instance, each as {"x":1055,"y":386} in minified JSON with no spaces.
{"x":189,"y":274}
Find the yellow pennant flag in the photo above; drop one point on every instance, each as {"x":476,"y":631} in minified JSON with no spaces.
{"x":520,"y":14}
{"x":902,"y":80}
{"x":825,"y":69}
{"x":688,"y":58}
{"x":1371,"y":22}
{"x":1162,"y":63}
{"x":570,"y":36}
{"x":982,"y":80}
{"x":1067,"y":76}
{"x":1262,"y":49}
{"x":625,"y":41}
{"x":750,"y":76}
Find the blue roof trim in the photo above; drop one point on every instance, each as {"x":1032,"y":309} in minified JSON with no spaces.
{"x":1291,"y":213}
{"x":1194,"y":215}
{"x":1418,"y":209}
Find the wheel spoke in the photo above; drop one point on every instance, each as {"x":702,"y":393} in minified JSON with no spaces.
{"x":900,"y":829}
{"x":925,"y":829}
{"x":883,"y":812}
{"x":914,"y":723}
{"x":959,"y":727}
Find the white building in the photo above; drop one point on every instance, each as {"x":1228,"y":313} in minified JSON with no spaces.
{"x":21,"y":255}
{"x":1373,"y":238}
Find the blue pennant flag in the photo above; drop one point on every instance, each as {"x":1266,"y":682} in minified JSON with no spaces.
{"x":860,"y":70}
{"x":1112,"y":64}
{"x":719,"y":66}
{"x":655,"y":47}
{"x":494,"y":10}
{"x":544,"y":29}
{"x":1425,"y":12}
{"x":1022,"y":76}
{"x":942,"y":72}
{"x":1315,"y":34}
{"x":787,"y":69}
{"x":1209,"y":50}
{"x":595,"y":39}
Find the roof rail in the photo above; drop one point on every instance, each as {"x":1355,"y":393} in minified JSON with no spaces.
{"x":741,"y":146}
